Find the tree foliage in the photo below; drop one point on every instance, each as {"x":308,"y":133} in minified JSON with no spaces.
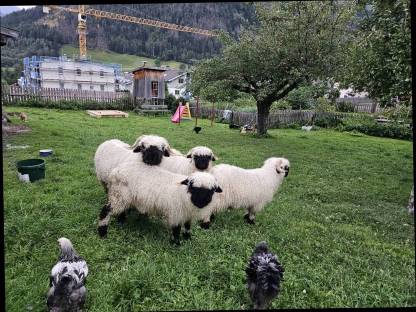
{"x":379,"y":61}
{"x":295,"y":42}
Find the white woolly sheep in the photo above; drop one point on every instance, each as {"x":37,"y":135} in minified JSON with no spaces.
{"x":113,"y":152}
{"x":249,"y":189}
{"x":155,"y":191}
{"x":198,"y":158}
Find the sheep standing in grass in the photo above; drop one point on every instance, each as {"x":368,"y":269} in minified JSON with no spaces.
{"x":155,"y":191}
{"x":111,"y":153}
{"x":249,"y":189}
{"x":199,"y":158}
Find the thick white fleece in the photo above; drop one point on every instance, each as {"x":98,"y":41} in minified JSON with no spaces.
{"x":185,"y":165}
{"x":156,"y":191}
{"x":251,"y":189}
{"x":109,"y":155}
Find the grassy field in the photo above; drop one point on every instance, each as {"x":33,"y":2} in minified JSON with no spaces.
{"x":339,"y":223}
{"x":129,"y":62}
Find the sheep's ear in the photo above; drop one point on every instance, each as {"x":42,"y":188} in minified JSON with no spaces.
{"x":189,"y":155}
{"x":218,"y":189}
{"x":138,"y":149}
{"x":213,"y":158}
{"x":166,"y":153}
{"x":185,"y":182}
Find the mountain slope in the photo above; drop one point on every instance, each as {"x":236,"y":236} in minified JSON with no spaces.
{"x":45,"y":34}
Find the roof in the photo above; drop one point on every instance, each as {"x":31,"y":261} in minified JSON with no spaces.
{"x":172,"y":74}
{"x":147,"y":67}
{"x":8,"y":32}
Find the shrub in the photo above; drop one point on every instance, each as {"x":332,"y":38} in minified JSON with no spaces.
{"x":280,"y":105}
{"x":301,"y":98}
{"x":322,"y":104}
{"x":170,"y":101}
{"x":323,"y":120}
{"x":368,"y":125}
{"x":345,"y":107}
{"x":120,"y":104}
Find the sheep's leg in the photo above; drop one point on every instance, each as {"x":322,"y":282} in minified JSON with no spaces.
{"x":121,"y":218}
{"x":176,"y":232}
{"x":105,"y":216}
{"x":250,"y":216}
{"x":205,"y":223}
{"x":187,"y":233}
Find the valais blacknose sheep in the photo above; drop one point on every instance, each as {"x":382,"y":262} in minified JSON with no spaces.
{"x":249,"y":189}
{"x":111,"y":153}
{"x":67,"y":291}
{"x":199,"y":158}
{"x":155,"y":191}
{"x":264,"y":274}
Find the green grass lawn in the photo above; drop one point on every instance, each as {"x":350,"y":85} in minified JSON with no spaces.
{"x":129,"y":62}
{"x":339,"y":222}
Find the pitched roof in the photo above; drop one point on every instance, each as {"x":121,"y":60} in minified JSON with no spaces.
{"x":173,"y":73}
{"x":147,"y":67}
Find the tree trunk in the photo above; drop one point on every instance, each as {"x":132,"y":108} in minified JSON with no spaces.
{"x":262,"y":115}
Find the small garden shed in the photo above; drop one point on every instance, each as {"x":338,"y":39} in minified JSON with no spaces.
{"x":149,"y":87}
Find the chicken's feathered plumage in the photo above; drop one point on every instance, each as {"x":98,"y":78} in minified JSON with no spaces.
{"x":67,"y":291}
{"x":264,"y":274}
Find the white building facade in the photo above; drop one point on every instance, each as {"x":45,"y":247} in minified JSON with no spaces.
{"x":63,"y":73}
{"x":176,"y":82}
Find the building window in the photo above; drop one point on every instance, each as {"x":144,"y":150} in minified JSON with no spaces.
{"x":101,"y":73}
{"x":155,"y":88}
{"x":180,"y":80}
{"x":79,"y":87}
{"x":176,"y":92}
{"x":102,"y":87}
{"x":61,"y":84}
{"x":91,"y":87}
{"x":79,"y":72}
{"x":60,"y":70}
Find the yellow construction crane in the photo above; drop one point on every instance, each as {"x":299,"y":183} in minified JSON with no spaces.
{"x":82,"y":23}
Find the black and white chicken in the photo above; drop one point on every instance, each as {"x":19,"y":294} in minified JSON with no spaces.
{"x":264,"y":274}
{"x":67,"y":291}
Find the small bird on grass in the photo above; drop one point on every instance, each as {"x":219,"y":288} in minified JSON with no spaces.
{"x":197,"y":129}
{"x":67,"y":291}
{"x":264,"y":274}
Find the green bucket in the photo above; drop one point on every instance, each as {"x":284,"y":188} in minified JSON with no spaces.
{"x":31,"y":169}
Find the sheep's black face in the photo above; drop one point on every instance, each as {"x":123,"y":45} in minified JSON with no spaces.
{"x":201,"y":196}
{"x":202,"y":162}
{"x":286,"y":171}
{"x":152,"y":155}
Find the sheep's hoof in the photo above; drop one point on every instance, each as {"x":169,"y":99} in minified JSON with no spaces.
{"x":248,"y":220}
{"x":175,"y":242}
{"x":186,"y":235}
{"x":121,"y":218}
{"x":102,"y":231}
{"x":205,"y":225}
{"x":212,"y":218}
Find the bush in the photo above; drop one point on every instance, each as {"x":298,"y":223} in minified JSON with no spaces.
{"x":327,"y":120}
{"x":280,"y":105}
{"x":345,"y":107}
{"x":121,"y":104}
{"x":170,"y":101}
{"x":369,"y":126}
{"x":324,"y":105}
{"x":301,"y":98}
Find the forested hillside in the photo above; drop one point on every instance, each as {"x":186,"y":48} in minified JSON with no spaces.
{"x":45,"y":34}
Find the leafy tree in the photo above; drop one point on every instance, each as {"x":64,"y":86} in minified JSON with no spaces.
{"x":379,"y":61}
{"x":295,"y":42}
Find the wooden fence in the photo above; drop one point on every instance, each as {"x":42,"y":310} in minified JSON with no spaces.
{"x":15,"y":94}
{"x":361,"y":105}
{"x":274,"y":120}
